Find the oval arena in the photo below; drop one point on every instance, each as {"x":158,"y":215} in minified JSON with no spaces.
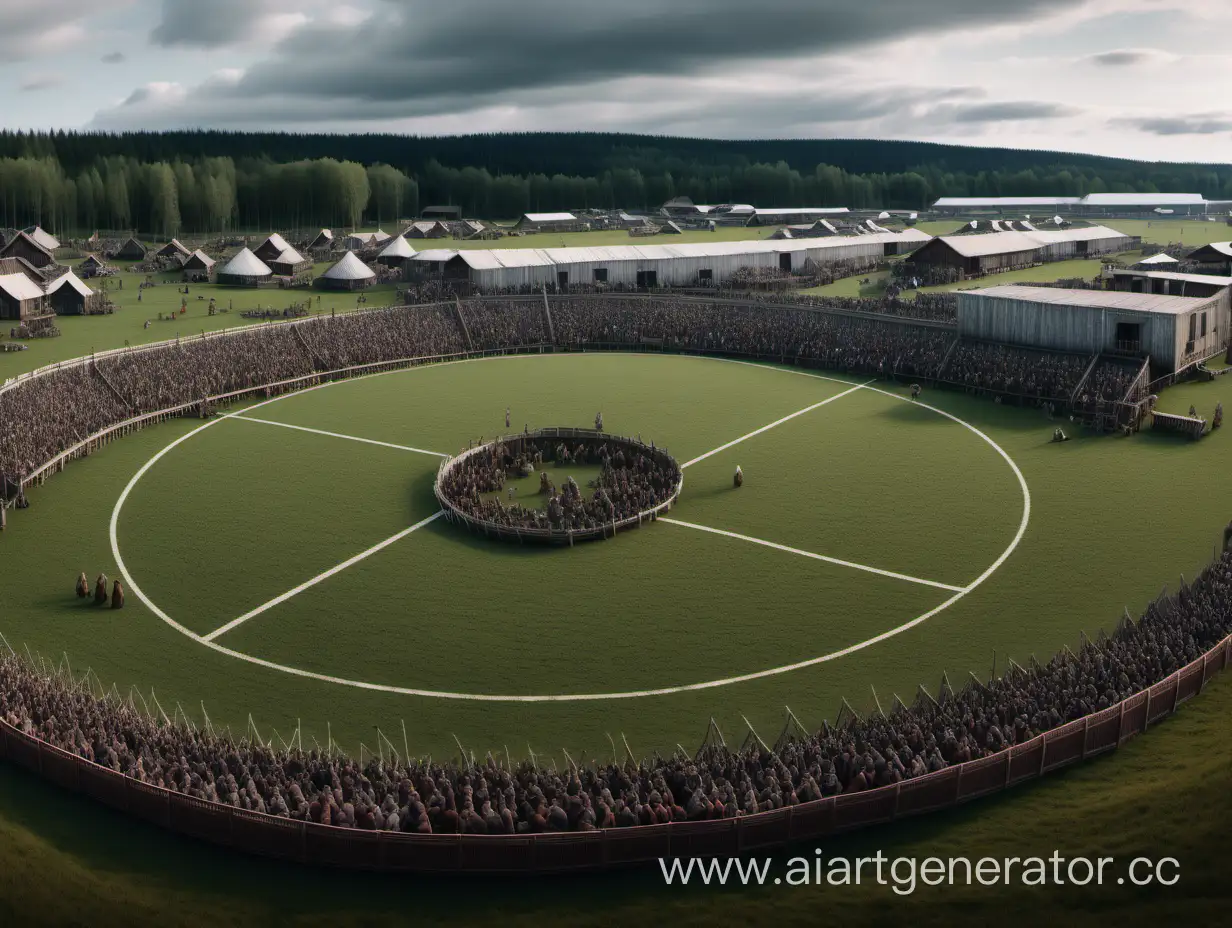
{"x":510,"y":811}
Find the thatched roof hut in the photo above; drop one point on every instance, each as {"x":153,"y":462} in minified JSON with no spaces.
{"x":244,"y":270}
{"x":348,"y":274}
{"x":91,"y":263}
{"x":427,"y":229}
{"x":174,"y":249}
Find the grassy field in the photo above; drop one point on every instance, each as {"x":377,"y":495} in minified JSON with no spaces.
{"x":245,"y":511}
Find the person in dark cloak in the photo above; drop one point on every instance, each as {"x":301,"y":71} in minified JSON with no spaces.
{"x":83,"y":586}
{"x":100,"y":590}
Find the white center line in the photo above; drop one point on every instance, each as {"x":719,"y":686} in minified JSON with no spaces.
{"x":319,"y":577}
{"x":303,"y":428}
{"x":816,"y":557}
{"x":766,"y":428}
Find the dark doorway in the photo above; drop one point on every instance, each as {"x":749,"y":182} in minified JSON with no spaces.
{"x":562,"y":280}
{"x":785,"y":261}
{"x":647,"y":279}
{"x":1129,"y":336}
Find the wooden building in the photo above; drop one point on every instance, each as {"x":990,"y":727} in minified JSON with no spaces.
{"x":989,"y":252}
{"x":795,"y":215}
{"x":91,"y":265}
{"x":1174,"y":331}
{"x":324,"y":240}
{"x":271,"y":248}
{"x":21,"y":299}
{"x":198,"y":263}
{"x":290,"y":263}
{"x":551,"y":222}
{"x":244,"y":270}
{"x":45,"y":239}
{"x":174,"y":249}
{"x":24,"y":246}
{"x":426,"y":229}
{"x":131,"y":250}
{"x":67,"y":295}
{"x":348,"y":274}
{"x":1216,"y":254}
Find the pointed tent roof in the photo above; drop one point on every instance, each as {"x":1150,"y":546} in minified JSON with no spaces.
{"x":91,"y":260}
{"x":45,"y":239}
{"x":398,"y":248}
{"x":1160,"y":258}
{"x":349,"y":268}
{"x":69,"y":280}
{"x":246,"y":264}
{"x":29,"y":241}
{"x":380,"y":235}
{"x":324,"y":237}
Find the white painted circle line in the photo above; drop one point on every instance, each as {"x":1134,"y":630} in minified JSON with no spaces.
{"x":570,"y":697}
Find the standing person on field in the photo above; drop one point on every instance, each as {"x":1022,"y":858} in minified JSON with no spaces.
{"x":83,"y":586}
{"x":100,"y":590}
{"x":507,"y":413}
{"x":117,"y":596}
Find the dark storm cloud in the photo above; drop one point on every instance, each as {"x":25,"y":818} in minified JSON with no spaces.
{"x":207,"y":23}
{"x":1012,"y":111}
{"x":1193,"y":124}
{"x":113,"y":58}
{"x":417,"y":50}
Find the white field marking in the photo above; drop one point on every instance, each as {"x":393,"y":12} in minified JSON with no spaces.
{"x":574,"y":697}
{"x":303,"y":428}
{"x":766,"y":428}
{"x":325,"y":575}
{"x":817,"y":557}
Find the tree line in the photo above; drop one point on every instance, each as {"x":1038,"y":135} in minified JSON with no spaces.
{"x":167,"y":183}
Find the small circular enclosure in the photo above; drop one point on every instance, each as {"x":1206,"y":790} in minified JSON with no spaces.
{"x":526,"y":488}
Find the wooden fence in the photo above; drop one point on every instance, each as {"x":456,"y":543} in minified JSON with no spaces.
{"x":310,"y":843}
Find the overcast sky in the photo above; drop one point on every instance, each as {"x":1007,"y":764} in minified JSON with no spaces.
{"x":1134,"y":78}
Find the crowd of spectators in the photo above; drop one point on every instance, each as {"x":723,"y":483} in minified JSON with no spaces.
{"x":489,"y":796}
{"x":45,"y":415}
{"x":1048,"y":376}
{"x":631,"y":480}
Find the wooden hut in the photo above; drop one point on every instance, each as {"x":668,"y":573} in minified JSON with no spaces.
{"x":290,"y":264}
{"x":244,"y":270}
{"x":24,"y":246}
{"x":21,"y":299}
{"x":174,"y":249}
{"x":68,"y":296}
{"x":551,"y":222}
{"x":271,"y":248}
{"x":91,"y":265}
{"x":396,"y":252}
{"x":323,"y":240}
{"x":348,"y":274}
{"x":427,"y":229}
{"x":131,"y":250}
{"x":1218,"y":254}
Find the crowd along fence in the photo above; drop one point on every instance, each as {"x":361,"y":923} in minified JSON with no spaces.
{"x":325,"y":845}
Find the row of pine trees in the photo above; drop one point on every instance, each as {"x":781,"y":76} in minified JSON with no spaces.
{"x":212,"y":194}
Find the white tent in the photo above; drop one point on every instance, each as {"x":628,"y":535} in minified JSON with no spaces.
{"x":349,"y":268}
{"x":246,"y":264}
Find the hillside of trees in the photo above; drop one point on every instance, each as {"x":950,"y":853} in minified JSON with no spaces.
{"x":165,"y":183}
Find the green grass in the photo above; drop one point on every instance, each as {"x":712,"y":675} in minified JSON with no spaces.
{"x":245,"y":511}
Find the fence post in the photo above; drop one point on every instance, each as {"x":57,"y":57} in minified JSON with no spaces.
{"x":1009,"y":764}
{"x":1043,"y":752}
{"x":898,"y":792}
{"x":1086,"y":731}
{"x":1176,"y":692}
{"x":1146,"y":718}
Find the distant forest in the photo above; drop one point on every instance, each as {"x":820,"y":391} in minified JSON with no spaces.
{"x":164,"y":183}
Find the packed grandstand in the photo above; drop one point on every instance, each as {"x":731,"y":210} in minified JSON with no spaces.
{"x":41,"y":417}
